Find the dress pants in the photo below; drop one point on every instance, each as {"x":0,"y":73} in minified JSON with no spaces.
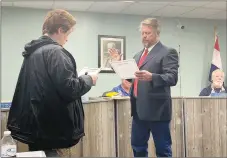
{"x":140,"y":135}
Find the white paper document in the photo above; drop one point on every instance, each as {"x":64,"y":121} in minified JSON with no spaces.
{"x":31,"y":154}
{"x":125,"y":69}
{"x":89,"y":71}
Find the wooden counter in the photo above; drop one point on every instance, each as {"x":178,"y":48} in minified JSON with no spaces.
{"x":198,"y":128}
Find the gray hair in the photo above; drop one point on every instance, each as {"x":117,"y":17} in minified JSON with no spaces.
{"x":152,"y":22}
{"x":216,"y":71}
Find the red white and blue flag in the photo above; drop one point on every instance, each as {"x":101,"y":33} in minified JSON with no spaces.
{"x":216,"y":60}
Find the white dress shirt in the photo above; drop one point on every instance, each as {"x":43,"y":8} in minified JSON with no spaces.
{"x":149,"y":49}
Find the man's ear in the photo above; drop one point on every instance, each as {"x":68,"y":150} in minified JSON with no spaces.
{"x":60,"y":30}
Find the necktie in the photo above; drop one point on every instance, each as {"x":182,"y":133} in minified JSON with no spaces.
{"x":143,"y":57}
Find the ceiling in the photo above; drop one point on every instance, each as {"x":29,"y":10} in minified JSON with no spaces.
{"x":209,"y":9}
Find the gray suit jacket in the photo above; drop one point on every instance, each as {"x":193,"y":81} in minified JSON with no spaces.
{"x":154,"y":102}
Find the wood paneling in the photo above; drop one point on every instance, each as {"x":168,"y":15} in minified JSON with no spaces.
{"x":99,"y":140}
{"x":206,"y":134}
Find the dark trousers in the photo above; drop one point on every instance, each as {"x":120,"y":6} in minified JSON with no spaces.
{"x":140,"y":135}
{"x":48,"y":153}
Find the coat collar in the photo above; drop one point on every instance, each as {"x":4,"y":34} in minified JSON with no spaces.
{"x":151,"y":54}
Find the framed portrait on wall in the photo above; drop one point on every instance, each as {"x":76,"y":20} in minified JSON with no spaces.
{"x":110,"y":48}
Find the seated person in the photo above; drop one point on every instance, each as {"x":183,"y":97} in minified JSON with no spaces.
{"x":123,"y":89}
{"x":217,"y":86}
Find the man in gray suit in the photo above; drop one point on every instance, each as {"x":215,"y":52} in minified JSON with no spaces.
{"x":151,"y":103}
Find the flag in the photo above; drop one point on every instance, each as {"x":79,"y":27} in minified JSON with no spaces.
{"x":216,"y":60}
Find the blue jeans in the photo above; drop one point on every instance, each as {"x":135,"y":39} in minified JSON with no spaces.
{"x":140,"y":135}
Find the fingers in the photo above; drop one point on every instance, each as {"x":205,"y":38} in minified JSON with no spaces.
{"x":113,"y":51}
{"x":142,"y":75}
{"x":94,"y":79}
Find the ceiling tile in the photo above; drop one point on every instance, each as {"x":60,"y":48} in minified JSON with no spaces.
{"x":73,"y":5}
{"x":200,"y":13}
{"x":220,"y":15}
{"x":172,"y":11}
{"x":141,"y":8}
{"x":191,"y":3}
{"x":34,"y":4}
{"x":108,"y":7}
{"x":217,"y":5}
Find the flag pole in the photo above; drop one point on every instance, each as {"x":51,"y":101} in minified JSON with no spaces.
{"x":215,"y":32}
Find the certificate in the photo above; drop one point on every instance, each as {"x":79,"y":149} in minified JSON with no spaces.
{"x":125,"y":69}
{"x":89,"y":71}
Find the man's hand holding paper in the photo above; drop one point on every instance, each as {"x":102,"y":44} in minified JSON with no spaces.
{"x":94,"y":79}
{"x":143,"y":75}
{"x":93,"y":72}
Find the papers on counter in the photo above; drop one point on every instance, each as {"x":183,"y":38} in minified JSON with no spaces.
{"x":125,"y":69}
{"x":31,"y":154}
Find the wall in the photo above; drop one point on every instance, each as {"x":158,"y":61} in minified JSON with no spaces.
{"x":196,"y":42}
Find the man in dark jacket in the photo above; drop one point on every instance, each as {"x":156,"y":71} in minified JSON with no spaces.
{"x":46,"y":111}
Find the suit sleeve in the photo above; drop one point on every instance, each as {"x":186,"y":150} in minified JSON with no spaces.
{"x":170,"y":65}
{"x":205,"y":92}
{"x":67,"y":83}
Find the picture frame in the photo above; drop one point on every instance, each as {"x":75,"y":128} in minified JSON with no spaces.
{"x":106,"y":42}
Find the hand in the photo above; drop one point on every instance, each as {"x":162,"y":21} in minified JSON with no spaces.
{"x":94,"y":79}
{"x":143,"y":75}
{"x":114,"y":54}
{"x":217,"y":84}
